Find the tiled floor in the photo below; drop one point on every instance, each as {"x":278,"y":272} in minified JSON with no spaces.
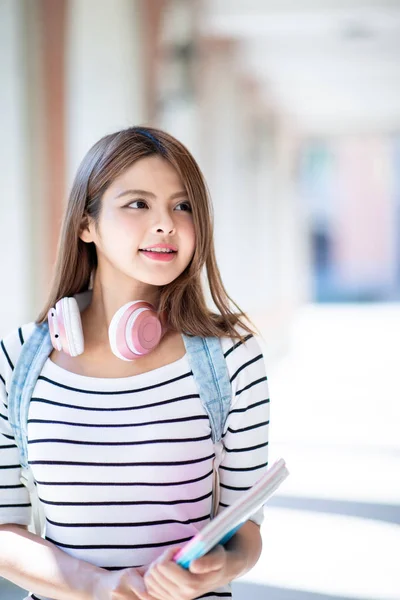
{"x":333,"y":531}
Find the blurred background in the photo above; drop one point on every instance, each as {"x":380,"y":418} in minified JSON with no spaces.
{"x":292,"y":110}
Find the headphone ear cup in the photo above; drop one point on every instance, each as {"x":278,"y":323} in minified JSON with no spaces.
{"x":73,"y":326}
{"x":54,"y":329}
{"x":135,"y":330}
{"x":65,"y":327}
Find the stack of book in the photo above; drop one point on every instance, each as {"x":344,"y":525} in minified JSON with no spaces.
{"x":226,"y":524}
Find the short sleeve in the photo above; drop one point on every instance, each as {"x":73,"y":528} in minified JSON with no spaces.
{"x":15,"y":505}
{"x":246,"y":430}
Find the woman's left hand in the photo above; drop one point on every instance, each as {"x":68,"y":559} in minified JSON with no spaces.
{"x":166,"y":580}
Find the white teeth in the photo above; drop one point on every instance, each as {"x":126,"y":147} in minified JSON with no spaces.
{"x":164,"y":250}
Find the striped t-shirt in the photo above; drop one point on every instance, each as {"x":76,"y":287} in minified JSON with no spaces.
{"x":124,"y":466}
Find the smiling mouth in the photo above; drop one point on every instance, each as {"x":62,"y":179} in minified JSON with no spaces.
{"x":158,"y":250}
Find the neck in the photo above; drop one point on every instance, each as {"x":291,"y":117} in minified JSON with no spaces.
{"x":106,"y":300}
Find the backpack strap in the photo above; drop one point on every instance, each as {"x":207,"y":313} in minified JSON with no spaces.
{"x":33,"y":355}
{"x":211,"y":375}
{"x":209,"y":370}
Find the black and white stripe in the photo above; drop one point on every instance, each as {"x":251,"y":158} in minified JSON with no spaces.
{"x":124,"y":466}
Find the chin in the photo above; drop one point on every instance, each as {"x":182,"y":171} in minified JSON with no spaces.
{"x":162,"y":281}
{"x":157,"y":281}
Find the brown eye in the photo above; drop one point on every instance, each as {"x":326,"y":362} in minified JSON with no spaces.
{"x":185,"y":207}
{"x":141,"y":203}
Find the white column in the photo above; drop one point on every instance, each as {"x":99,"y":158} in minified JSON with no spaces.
{"x":177,"y":69}
{"x":220,"y":160}
{"x":265,"y":217}
{"x":259,"y":227}
{"x":105,"y":88}
{"x":294,"y":264}
{"x":15,"y":225}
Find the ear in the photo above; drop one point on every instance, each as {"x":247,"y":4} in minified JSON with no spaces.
{"x":85,"y":231}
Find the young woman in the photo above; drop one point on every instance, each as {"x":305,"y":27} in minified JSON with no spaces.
{"x":107,"y":435}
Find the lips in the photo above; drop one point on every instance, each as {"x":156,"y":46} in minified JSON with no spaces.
{"x":160,"y":256}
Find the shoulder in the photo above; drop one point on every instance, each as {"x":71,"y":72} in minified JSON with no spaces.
{"x":242,"y":355}
{"x":10,"y":348}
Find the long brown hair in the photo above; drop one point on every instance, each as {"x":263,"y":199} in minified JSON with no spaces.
{"x":183,"y":299}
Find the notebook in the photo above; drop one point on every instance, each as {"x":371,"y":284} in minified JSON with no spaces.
{"x":226,"y":524}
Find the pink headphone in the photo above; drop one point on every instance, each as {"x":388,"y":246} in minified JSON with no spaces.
{"x":135,"y":329}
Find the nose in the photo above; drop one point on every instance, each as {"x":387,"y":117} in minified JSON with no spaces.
{"x":164,"y":223}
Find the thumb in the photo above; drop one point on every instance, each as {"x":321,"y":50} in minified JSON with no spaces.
{"x":212,"y":561}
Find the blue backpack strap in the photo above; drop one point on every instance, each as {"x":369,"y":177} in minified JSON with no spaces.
{"x":209,"y":369}
{"x":211,"y":375}
{"x":28,"y":367}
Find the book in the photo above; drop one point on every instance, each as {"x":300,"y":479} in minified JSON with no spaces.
{"x":220,"y":529}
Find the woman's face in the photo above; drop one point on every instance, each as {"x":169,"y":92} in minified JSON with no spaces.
{"x":147,"y":205}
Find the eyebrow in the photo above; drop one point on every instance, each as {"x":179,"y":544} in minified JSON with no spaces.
{"x":149,"y":194}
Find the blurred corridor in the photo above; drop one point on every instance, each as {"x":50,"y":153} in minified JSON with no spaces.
{"x":292,"y":110}
{"x":333,"y":530}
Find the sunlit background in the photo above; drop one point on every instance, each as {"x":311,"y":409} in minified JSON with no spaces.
{"x":292,"y":109}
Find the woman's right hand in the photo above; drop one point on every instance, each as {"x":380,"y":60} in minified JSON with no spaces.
{"x":120,"y":585}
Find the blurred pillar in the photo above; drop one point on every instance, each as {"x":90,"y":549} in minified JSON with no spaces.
{"x":105,"y":72}
{"x":15,"y":193}
{"x":222,"y":141}
{"x":28,"y":199}
{"x":153,"y":18}
{"x":364,"y":229}
{"x":249,"y":153}
{"x":294,"y":266}
{"x":51,"y":17}
{"x":176,"y":70}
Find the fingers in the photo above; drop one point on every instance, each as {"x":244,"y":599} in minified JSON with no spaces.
{"x":168,"y":581}
{"x":143,"y":596}
{"x":212,"y":561}
{"x":161,"y":587}
{"x":137,"y":585}
{"x":158,"y":584}
{"x":166,"y":557}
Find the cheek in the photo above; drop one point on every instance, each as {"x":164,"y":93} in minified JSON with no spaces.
{"x":190,"y":234}
{"x":120,"y":229}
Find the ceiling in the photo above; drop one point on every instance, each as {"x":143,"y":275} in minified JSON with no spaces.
{"x":330,"y":65}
